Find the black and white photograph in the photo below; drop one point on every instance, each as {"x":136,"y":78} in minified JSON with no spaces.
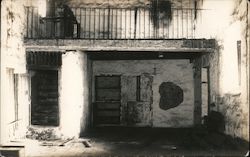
{"x":124,"y":78}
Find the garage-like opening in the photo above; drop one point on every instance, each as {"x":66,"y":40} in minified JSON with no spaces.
{"x":128,"y":89}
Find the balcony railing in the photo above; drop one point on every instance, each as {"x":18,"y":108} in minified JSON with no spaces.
{"x":111,"y":23}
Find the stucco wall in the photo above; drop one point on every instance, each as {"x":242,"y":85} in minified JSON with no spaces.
{"x":229,"y":87}
{"x":12,"y":59}
{"x":179,"y":72}
{"x":73,"y":92}
{"x":13,"y":27}
{"x":236,"y":118}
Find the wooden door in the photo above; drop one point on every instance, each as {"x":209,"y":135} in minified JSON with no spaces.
{"x":107,"y":100}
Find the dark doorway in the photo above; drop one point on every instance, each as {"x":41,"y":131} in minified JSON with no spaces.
{"x":44,"y":98}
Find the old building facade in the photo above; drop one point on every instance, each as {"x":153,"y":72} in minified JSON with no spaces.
{"x":67,"y":66}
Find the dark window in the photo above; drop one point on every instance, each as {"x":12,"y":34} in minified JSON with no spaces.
{"x":44,"y":97}
{"x":239,"y":60}
{"x":16,"y":95}
{"x":138,"y":88}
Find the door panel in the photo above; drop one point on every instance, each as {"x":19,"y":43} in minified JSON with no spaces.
{"x":138,"y":106}
{"x":107,"y":100}
{"x":123,"y":100}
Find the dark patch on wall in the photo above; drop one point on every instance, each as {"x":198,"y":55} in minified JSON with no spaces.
{"x":11,"y":153}
{"x":10,"y":14}
{"x":171,"y":95}
{"x":160,"y":10}
{"x":206,"y":43}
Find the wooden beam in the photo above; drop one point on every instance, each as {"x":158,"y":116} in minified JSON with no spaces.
{"x":197,"y":64}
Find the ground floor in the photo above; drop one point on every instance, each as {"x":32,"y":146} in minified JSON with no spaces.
{"x":115,"y":141}
{"x":141,"y":101}
{"x":65,"y":93}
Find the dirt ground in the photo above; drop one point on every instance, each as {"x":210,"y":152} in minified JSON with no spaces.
{"x":115,"y":141}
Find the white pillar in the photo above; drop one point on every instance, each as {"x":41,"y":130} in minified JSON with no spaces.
{"x":71,"y":90}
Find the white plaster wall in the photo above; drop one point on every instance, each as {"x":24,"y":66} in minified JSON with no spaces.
{"x":226,"y":21}
{"x":23,"y":104}
{"x":177,"y":71}
{"x":71,"y":90}
{"x":216,"y":21}
{"x":12,"y":57}
{"x":13,"y":27}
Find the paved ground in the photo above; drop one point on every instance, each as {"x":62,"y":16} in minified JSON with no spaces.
{"x":142,"y":142}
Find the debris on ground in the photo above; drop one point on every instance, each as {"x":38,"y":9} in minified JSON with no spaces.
{"x":86,"y":144}
{"x":56,"y":142}
{"x":66,"y":141}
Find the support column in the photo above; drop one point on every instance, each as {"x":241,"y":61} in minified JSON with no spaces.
{"x":72,"y":93}
{"x":197,"y":90}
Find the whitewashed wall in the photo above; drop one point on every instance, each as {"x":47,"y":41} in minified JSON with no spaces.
{"x":73,"y":90}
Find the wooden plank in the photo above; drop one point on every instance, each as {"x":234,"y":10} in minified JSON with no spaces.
{"x":107,"y":94}
{"x":108,"y":113}
{"x":107,"y":120}
{"x":107,"y":81}
{"x":197,"y":91}
{"x":108,"y":105}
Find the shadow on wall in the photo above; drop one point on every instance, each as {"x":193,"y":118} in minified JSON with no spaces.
{"x":160,"y":10}
{"x":215,"y":121}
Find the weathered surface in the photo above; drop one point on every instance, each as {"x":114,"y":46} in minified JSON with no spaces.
{"x":121,"y":45}
{"x":146,"y":82}
{"x":229,"y":71}
{"x":236,"y":119}
{"x":138,"y":113}
{"x":171,"y":95}
{"x":176,"y":71}
{"x":114,"y":3}
{"x":197,"y":91}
